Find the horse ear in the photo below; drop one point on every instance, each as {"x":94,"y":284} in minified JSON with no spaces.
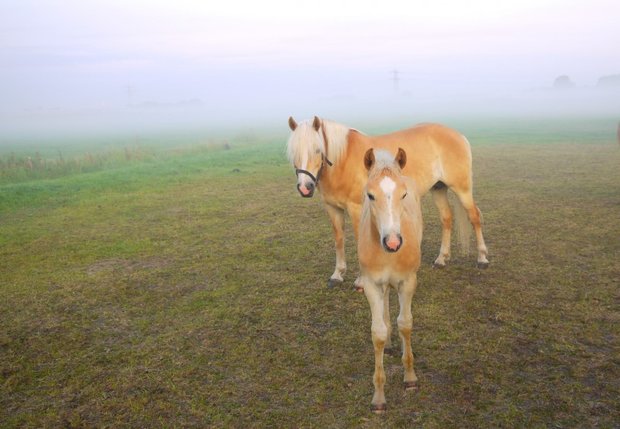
{"x":291,"y":123}
{"x":369,"y":159}
{"x":317,"y":123}
{"x":401,"y":158}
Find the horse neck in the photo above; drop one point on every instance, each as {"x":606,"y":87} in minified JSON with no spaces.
{"x":343,"y":181}
{"x":346,"y":154}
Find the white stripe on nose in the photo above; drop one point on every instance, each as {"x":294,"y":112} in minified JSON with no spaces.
{"x":303,"y":166}
{"x":388,"y":186}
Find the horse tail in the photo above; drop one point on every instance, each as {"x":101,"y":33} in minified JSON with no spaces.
{"x":463,"y":226}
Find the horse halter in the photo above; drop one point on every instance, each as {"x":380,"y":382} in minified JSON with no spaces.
{"x":324,"y":161}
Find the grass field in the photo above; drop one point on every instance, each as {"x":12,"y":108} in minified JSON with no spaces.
{"x":187,"y":289}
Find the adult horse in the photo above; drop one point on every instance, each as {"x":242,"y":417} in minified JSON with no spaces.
{"x":329,"y":156}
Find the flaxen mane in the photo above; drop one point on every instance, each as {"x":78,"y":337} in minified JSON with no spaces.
{"x":305,"y":141}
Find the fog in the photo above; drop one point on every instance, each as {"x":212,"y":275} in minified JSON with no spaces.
{"x":111,"y":66}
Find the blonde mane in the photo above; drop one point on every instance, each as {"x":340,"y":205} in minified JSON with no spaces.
{"x":306,"y":141}
{"x":336,"y":139}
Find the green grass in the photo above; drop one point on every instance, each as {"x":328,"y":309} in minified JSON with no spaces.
{"x":21,"y":162}
{"x":188,"y":290}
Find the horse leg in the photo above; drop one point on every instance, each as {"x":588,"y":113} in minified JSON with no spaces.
{"x":355,"y":211}
{"x":475,"y":217}
{"x":405,"y":324}
{"x":440,"y":197}
{"x":374,"y":294}
{"x":386,"y":318}
{"x":336,"y":216}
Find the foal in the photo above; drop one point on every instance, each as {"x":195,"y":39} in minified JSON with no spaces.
{"x":390,"y":233}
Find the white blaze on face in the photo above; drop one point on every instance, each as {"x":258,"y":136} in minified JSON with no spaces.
{"x":388,"y":186}
{"x":303,"y":166}
{"x":304,"y":161}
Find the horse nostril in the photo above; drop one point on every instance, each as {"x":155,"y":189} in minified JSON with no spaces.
{"x":310,"y":186}
{"x":392,"y":245}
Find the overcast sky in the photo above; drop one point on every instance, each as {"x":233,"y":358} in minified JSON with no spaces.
{"x":269,"y":58}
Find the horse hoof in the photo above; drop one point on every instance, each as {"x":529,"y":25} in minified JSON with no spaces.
{"x":411,"y":386}
{"x":483,"y":265}
{"x":378,"y":409}
{"x":438,"y":266}
{"x":333,"y":282}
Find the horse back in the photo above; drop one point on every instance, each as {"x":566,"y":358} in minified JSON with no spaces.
{"x":434,"y":153}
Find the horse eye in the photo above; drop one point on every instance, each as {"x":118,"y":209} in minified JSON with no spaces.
{"x":404,"y":196}
{"x":371,"y":197}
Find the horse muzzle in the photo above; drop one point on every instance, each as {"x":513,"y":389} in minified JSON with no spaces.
{"x":306,"y":190}
{"x":392,"y":242}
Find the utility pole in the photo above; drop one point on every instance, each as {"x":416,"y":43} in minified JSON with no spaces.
{"x":130,"y":91}
{"x":395,"y":79}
